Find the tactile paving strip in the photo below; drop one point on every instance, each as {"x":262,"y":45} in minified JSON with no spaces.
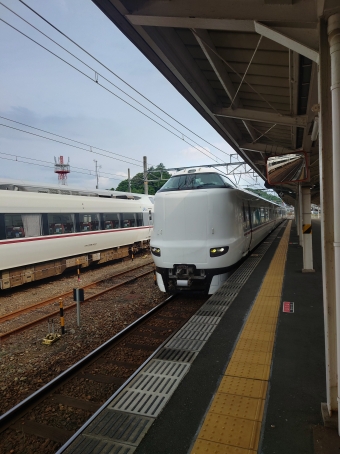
{"x":146,"y":395}
{"x":233,"y":422}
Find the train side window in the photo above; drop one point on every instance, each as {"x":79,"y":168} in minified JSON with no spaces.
{"x":88,"y":222}
{"x":60,"y":223}
{"x":2,"y":227}
{"x":128,"y":220}
{"x":14,"y":226}
{"x":110,"y":221}
{"x":139,"y":217}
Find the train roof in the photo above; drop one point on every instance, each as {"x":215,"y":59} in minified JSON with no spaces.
{"x":29,"y":186}
{"x":210,"y":169}
{"x":34,"y":202}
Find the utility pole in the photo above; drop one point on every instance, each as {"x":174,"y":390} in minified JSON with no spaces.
{"x":145,"y":166}
{"x":129,"y":180}
{"x":97,"y":174}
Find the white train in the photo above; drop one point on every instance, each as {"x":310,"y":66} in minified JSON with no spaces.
{"x":42,"y":234}
{"x":203,"y":226}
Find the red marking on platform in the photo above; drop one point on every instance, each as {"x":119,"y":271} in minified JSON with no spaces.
{"x":288,"y":307}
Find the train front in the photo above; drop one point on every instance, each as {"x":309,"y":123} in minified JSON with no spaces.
{"x":188,"y":243}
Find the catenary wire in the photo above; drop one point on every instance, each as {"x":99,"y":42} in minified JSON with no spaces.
{"x":118,"y":77}
{"x":66,"y":138}
{"x":103,"y":77}
{"x":49,"y":167}
{"x":111,"y":92}
{"x":72,"y":167}
{"x":68,"y":144}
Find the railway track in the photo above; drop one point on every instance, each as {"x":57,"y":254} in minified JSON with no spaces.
{"x":50,"y":416}
{"x":43,"y":308}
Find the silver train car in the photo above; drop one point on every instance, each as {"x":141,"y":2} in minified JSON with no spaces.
{"x":43,"y":233}
{"x":203,"y":226}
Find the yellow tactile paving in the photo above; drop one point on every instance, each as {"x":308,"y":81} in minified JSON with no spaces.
{"x":255,"y":335}
{"x":238,"y":406}
{"x":253,"y":357}
{"x":243,"y":387}
{"x":233,"y":422}
{"x":209,"y":447}
{"x":242,"y":433}
{"x":258,"y":345}
{"x":247,"y":370}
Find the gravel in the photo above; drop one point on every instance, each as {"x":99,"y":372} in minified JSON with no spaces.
{"x":26,"y":364}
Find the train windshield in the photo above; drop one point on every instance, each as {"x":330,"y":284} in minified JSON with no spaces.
{"x":196,"y":181}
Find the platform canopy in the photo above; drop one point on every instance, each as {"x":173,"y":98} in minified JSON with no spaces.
{"x":249,"y":67}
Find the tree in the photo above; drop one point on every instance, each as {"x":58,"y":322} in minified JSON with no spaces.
{"x":265,"y":195}
{"x":137,"y":182}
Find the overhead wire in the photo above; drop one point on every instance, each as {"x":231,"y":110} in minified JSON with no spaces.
{"x":47,"y":166}
{"x":72,"y":167}
{"x":118,"y":77}
{"x":111,"y":92}
{"x":67,"y":138}
{"x":67,"y":144}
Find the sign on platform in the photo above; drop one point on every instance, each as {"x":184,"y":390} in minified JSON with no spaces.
{"x":288,"y":307}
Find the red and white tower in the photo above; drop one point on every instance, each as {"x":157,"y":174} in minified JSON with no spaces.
{"x":62,"y":169}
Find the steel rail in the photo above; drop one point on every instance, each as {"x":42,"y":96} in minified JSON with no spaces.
{"x":43,"y":303}
{"x":15,"y":412}
{"x":71,"y":306}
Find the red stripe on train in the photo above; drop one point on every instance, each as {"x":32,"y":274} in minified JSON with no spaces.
{"x":66,"y":235}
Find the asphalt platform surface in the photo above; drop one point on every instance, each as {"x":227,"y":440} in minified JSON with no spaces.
{"x":292,"y":422}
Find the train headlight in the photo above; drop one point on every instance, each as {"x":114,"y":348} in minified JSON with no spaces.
{"x":217,"y":251}
{"x":156,"y":251}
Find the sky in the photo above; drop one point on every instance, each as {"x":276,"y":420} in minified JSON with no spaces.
{"x":40,"y":90}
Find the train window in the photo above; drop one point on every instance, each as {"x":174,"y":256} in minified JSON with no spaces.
{"x":194,"y":181}
{"x":110,"y":221}
{"x":89,"y":222}
{"x":139,"y":217}
{"x":60,"y":223}
{"x":128,"y":220}
{"x":14,"y":226}
{"x":256,"y":216}
{"x":227,"y":182}
{"x":32,"y":224}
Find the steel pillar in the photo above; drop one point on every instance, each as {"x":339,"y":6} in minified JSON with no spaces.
{"x":327,"y":220}
{"x":145,"y":173}
{"x":307,"y":242}
{"x":300,"y":216}
{"x":334,"y":43}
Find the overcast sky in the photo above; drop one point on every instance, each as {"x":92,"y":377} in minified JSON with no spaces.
{"x":38,"y":89}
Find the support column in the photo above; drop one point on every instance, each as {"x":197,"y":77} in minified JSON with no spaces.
{"x":300,"y":216}
{"x":334,"y":43}
{"x":145,"y":166}
{"x":307,"y":242}
{"x":327,"y":221}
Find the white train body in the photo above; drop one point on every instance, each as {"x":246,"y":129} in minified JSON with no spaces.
{"x":200,"y":233}
{"x":43,"y":234}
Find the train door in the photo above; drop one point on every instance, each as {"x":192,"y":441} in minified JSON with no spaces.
{"x":246,"y":227}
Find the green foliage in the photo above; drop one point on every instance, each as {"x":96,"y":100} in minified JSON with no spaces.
{"x":137,"y":182}
{"x":265,"y":195}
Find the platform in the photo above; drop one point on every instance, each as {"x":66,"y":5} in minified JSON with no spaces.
{"x":243,"y":377}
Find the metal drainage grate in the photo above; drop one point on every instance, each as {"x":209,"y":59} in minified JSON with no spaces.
{"x":198,"y":335}
{"x":166,"y":368}
{"x":139,"y":402}
{"x":205,"y":319}
{"x":170,"y":354}
{"x":210,"y":313}
{"x":90,"y":445}
{"x":186,"y":344}
{"x":155,"y":384}
{"x":201,"y":327}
